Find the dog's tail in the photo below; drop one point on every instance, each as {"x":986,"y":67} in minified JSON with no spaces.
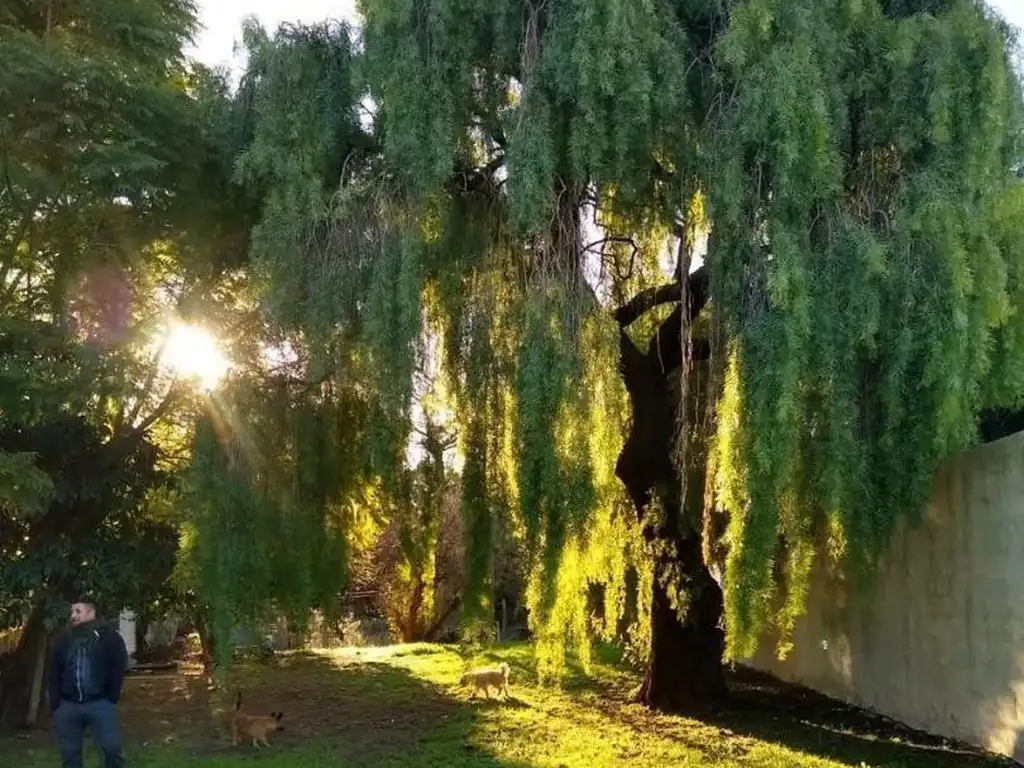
{"x":504,"y":667}
{"x":238,"y":702}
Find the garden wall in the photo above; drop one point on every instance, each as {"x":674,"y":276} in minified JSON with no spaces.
{"x":939,"y":643}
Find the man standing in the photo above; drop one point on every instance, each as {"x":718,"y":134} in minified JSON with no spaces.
{"x":87,"y":669}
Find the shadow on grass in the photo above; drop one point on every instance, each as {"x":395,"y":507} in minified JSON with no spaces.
{"x":768,"y":710}
{"x":358,"y":709}
{"x":499,"y":702}
{"x":365,"y":714}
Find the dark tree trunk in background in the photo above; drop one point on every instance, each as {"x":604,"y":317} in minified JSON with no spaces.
{"x":23,"y":702}
{"x":685,"y":671}
{"x":206,"y":643}
{"x":141,"y":625}
{"x":412,"y":629}
{"x":433,"y":632}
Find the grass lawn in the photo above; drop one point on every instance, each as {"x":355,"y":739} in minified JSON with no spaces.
{"x":401,"y":707}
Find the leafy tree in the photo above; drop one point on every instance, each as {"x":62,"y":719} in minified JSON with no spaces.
{"x":259,"y":498}
{"x":79,"y":523}
{"x":106,"y":143}
{"x":852,"y":165}
{"x":849,"y":166}
{"x":276,"y":477}
{"x":24,"y":489}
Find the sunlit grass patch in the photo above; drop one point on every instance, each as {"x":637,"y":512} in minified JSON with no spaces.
{"x":402,"y":706}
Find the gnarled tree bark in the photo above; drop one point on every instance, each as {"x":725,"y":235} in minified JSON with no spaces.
{"x":685,"y":671}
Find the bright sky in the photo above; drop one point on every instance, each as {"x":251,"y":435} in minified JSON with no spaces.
{"x":222,"y":20}
{"x":1012,"y":10}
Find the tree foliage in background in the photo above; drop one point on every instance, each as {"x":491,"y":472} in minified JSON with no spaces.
{"x":258,"y":500}
{"x":271,"y":493}
{"x":413,"y":564}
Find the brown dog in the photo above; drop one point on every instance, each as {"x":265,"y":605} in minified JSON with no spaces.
{"x":484,"y":679}
{"x":255,"y":727}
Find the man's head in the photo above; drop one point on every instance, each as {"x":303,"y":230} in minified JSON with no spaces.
{"x":82,"y":611}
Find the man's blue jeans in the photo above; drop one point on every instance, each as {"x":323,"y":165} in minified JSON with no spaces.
{"x":71,"y":719}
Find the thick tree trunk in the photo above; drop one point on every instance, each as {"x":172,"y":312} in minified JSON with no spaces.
{"x":22,"y":685}
{"x":685,"y":669}
{"x":999,"y":423}
{"x":141,"y":623}
{"x":684,"y":673}
{"x":35,"y":688}
{"x":412,"y":629}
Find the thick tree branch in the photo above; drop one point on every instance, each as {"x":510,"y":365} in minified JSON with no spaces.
{"x":169,"y":401}
{"x":130,"y":416}
{"x":666,"y":349}
{"x":432,"y":632}
{"x":646,"y":300}
{"x":698,"y":292}
{"x":472,"y":179}
{"x":493,"y":166}
{"x":490,"y":125}
{"x":631,"y":364}
{"x":589,"y":247}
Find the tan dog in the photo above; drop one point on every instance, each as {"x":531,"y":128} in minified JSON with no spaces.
{"x":255,"y":727}
{"x":483,"y":679}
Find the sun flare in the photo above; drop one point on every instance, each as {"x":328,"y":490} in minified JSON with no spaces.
{"x":191,"y":352}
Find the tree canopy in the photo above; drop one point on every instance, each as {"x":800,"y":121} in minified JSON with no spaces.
{"x":705,"y":290}
{"x":850,"y":164}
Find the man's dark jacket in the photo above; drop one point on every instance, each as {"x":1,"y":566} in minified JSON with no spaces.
{"x":88,"y":663}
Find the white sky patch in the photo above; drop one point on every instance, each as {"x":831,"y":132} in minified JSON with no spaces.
{"x":222,"y":24}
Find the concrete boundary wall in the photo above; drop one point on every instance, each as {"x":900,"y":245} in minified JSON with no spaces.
{"x":939,"y":644}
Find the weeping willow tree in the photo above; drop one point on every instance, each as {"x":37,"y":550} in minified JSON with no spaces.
{"x":355,"y":271}
{"x":276,"y":489}
{"x":264,"y":529}
{"x":535,"y":194}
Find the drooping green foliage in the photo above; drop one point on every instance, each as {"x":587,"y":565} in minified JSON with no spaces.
{"x":259,"y":497}
{"x":854,"y":164}
{"x":348,"y":263}
{"x":856,"y":161}
{"x":308,"y":153}
{"x":313,"y":422}
{"x":868,"y":286}
{"x":301,"y":124}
